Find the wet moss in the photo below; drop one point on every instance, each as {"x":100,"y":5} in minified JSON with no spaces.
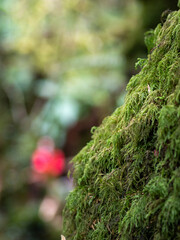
{"x":128,"y":176}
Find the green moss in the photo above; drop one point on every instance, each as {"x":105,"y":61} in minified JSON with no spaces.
{"x":128,"y":177}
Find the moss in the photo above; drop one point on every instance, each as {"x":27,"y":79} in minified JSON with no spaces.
{"x":128,"y":176}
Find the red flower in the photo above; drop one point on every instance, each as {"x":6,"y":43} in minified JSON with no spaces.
{"x":48,"y":161}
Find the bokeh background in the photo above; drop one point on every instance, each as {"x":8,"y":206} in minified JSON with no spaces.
{"x":64,"y":66}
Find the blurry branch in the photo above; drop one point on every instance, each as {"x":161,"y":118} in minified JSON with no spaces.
{"x":17,"y":103}
{"x":38,"y":104}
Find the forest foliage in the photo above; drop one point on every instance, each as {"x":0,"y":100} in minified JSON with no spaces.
{"x":62,"y":62}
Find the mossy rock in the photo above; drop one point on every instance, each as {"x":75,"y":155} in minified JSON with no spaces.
{"x":128,"y":176}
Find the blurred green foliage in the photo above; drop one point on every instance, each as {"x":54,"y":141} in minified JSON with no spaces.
{"x":58,"y":61}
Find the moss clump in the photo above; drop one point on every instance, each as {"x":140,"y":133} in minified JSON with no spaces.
{"x":128,"y":176}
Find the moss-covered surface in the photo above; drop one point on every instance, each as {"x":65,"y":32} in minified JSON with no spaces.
{"x":128,"y":176}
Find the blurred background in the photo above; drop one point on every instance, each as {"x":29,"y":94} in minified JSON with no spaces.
{"x":64,"y":66}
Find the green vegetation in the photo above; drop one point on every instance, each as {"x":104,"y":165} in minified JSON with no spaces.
{"x":128,"y":176}
{"x":64,"y":65}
